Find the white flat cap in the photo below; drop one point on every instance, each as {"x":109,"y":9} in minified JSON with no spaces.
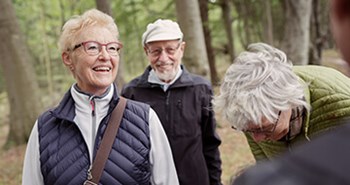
{"x":162,"y":30}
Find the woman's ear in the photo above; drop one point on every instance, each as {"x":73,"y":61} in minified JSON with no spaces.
{"x":66,"y":58}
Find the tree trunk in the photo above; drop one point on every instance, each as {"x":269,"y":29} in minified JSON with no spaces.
{"x":105,"y":6}
{"x":245,"y":16}
{"x":227,"y":19}
{"x":21,"y":85}
{"x":316,"y":44}
{"x":195,"y":56}
{"x":268,"y":26}
{"x":62,"y":12}
{"x":297,"y":31}
{"x":45,"y":57}
{"x":203,"y":4}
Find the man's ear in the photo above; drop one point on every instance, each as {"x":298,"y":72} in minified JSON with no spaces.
{"x":183,"y":45}
{"x":66,"y":58}
{"x":145,"y":49}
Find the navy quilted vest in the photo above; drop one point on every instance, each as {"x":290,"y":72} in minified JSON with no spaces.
{"x":64,"y":155}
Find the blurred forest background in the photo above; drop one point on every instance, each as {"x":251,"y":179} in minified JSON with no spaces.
{"x":32,"y":77}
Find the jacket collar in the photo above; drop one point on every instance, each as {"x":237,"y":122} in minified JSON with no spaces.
{"x":66,"y":109}
{"x":184,"y":80}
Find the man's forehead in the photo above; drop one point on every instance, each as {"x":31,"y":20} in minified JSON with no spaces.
{"x":162,"y":43}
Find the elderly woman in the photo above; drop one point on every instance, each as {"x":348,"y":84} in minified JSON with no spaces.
{"x":277,"y":105}
{"x":64,"y":140}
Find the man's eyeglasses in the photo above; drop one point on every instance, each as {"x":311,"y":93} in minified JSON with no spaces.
{"x":263,"y":130}
{"x":168,"y":50}
{"x":94,"y":48}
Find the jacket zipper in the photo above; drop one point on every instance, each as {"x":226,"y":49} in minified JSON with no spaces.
{"x":167,"y":105}
{"x":93,"y":124}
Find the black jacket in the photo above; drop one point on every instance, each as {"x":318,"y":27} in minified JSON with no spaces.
{"x":323,"y":161}
{"x":188,"y":119}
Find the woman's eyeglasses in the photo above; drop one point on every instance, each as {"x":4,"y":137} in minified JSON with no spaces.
{"x":94,"y":48}
{"x":263,"y":130}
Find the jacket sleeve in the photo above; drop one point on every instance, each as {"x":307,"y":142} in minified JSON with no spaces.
{"x":211,"y":140}
{"x":257,"y":151}
{"x":266,"y":150}
{"x":161,"y":159}
{"x":31,"y":167}
{"x":125,"y":92}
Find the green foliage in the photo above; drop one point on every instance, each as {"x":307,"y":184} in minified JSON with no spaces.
{"x":41,"y":23}
{"x":216,"y":26}
{"x":132,"y":17}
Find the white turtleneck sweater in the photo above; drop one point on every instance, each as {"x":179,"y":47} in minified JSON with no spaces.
{"x":163,"y":170}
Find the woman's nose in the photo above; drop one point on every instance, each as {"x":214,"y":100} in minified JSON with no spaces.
{"x":104,"y":54}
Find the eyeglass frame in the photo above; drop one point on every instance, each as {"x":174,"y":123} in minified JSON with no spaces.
{"x":99,"y":48}
{"x":160,"y":50}
{"x":261,"y":130}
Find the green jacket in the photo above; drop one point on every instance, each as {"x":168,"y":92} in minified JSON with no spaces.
{"x":328,"y":92}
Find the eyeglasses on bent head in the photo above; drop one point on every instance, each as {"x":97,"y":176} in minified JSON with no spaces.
{"x":94,"y":48}
{"x":262,"y":130}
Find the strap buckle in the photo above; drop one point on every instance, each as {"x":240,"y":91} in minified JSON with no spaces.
{"x":88,"y":182}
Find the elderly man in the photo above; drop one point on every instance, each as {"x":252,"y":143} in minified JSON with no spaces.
{"x":182,"y":101}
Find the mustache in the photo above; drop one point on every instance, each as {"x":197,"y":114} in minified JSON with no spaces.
{"x":163,"y":63}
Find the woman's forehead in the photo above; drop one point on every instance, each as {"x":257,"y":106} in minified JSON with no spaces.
{"x":95,"y":33}
{"x":263,"y":121}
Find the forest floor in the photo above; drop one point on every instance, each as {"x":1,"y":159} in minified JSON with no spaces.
{"x":235,"y":153}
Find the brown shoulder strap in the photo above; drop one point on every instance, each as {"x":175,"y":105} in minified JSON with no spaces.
{"x":107,"y":141}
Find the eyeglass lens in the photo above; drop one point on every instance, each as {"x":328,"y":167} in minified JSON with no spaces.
{"x":168,"y":50}
{"x":269,"y":129}
{"x":94,"y":48}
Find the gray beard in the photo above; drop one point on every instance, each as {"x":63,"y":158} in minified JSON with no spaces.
{"x":166,"y":76}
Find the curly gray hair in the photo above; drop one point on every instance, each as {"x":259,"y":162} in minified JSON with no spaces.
{"x":259,"y":83}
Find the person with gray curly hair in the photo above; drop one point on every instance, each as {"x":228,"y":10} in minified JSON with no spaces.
{"x":324,"y":160}
{"x":278,"y":105}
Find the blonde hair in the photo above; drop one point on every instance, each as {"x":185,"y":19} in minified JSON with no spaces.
{"x":76,"y":24}
{"x":259,"y":83}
